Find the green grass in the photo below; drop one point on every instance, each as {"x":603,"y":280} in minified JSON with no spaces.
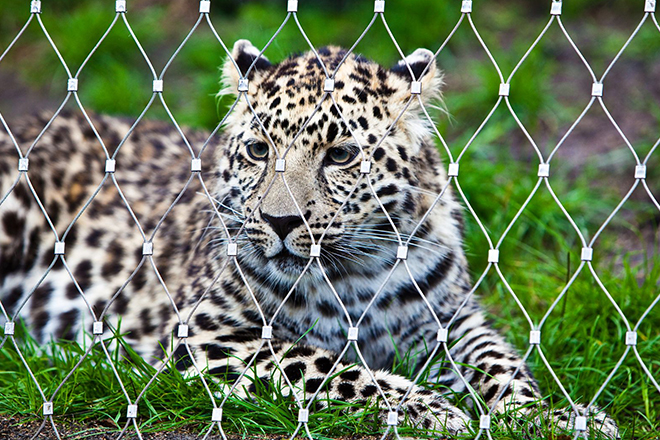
{"x":581,"y":355}
{"x":116,"y":79}
{"x":583,"y":337}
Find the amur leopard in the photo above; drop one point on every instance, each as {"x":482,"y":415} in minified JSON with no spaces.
{"x":307,"y":176}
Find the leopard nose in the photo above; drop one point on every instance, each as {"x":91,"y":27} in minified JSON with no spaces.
{"x":282,"y":225}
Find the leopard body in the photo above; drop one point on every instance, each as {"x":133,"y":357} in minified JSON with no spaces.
{"x":323,"y":197}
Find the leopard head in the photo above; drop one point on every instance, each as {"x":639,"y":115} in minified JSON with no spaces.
{"x":337,"y":163}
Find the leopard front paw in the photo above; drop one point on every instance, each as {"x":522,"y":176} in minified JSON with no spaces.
{"x":595,"y":422}
{"x":537,"y":420}
{"x":432,"y":412}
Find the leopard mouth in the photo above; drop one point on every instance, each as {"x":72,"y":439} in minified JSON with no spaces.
{"x":286,"y":267}
{"x":288,"y":263}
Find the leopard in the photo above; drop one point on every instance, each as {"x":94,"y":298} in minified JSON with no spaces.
{"x":308,"y":243}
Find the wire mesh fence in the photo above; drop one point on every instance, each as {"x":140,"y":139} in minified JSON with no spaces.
{"x":199,"y":160}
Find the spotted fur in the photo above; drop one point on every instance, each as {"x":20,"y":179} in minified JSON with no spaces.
{"x":274,"y":218}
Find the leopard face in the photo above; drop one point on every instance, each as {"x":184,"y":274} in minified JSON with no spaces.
{"x":355,"y":160}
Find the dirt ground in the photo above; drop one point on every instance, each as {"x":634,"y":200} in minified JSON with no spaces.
{"x":13,"y":428}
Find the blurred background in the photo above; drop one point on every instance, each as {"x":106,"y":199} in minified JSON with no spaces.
{"x":591,"y":172}
{"x":548,"y":92}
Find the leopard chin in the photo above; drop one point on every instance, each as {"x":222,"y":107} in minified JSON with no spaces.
{"x":287,"y":268}
{"x":288,"y":263}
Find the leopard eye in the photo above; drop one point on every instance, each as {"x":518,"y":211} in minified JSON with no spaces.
{"x":258,"y":150}
{"x":340,"y":156}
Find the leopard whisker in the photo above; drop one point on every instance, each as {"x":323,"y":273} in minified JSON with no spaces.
{"x":377,"y":234}
{"x":229,"y":216}
{"x":420,"y":190}
{"x":221,"y":204}
{"x":335,"y":263}
{"x":347,"y":254}
{"x":353,"y":250}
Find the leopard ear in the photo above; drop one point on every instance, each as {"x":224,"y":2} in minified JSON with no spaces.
{"x":420,"y":66}
{"x":243,"y":55}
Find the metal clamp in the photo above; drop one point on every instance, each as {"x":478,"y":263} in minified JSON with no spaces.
{"x":110,"y":165}
{"x":10,"y":328}
{"x":631,"y":338}
{"x":493,"y":256}
{"x":196,"y":165}
{"x":204,"y":6}
{"x":267,"y":332}
{"x":182,"y":331}
{"x":72,"y":85}
{"x":466,"y":6}
{"x":216,"y":415}
{"x":544,"y":170}
{"x":147,"y":248}
{"x":580,"y":423}
{"x":97,"y":328}
{"x":535,"y":337}
{"x":504,"y":89}
{"x":640,"y":172}
{"x":392,"y":418}
{"x":35,"y":7}
{"x":416,"y":88}
{"x":48,"y":408}
{"x":484,"y":422}
{"x":315,"y":251}
{"x":402,"y":252}
{"x":131,"y":411}
{"x":280,"y":165}
{"x":232,"y":249}
{"x":303,"y":416}
{"x":365,"y":167}
{"x":453,"y":169}
{"x":329,"y":85}
{"x":292,"y":6}
{"x":353,"y":334}
{"x":23,"y":164}
{"x":587,"y":254}
{"x":243,"y":85}
{"x":443,"y":335}
{"x":597,"y":90}
{"x":120,"y":6}
{"x":59,"y":248}
{"x":379,"y":6}
{"x":158,"y":86}
{"x":555,"y":9}
{"x":649,"y":6}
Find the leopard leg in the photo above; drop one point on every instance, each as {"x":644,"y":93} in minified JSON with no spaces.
{"x":315,"y":377}
{"x":495,"y":370}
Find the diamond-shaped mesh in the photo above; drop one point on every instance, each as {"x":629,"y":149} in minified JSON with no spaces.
{"x":150,"y":239}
